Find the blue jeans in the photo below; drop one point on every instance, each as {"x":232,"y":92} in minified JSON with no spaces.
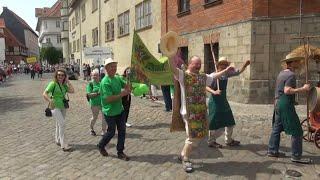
{"x":113,"y":122}
{"x":274,"y":142}
{"x":167,"y":97}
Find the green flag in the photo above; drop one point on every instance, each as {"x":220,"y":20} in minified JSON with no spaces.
{"x":145,"y":68}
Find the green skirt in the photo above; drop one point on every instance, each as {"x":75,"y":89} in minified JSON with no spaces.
{"x":288,"y":115}
{"x":220,"y":114}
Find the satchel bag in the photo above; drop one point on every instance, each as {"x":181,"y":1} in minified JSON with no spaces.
{"x":47,"y":111}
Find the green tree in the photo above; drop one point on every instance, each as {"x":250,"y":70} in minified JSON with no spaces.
{"x":51,"y":54}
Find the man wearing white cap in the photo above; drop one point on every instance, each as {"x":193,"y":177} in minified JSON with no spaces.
{"x":220,"y":114}
{"x":285,"y":117}
{"x":111,"y":94}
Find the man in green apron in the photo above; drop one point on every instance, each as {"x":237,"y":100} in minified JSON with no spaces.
{"x":220,"y":114}
{"x":285,"y":117}
{"x":193,"y":104}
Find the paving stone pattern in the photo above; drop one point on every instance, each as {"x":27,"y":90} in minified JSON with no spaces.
{"x":28,"y":151}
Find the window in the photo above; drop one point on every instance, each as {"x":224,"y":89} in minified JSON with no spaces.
{"x":83,"y":12}
{"x":57,"y":23}
{"x":65,"y":26}
{"x":77,"y":16}
{"x":74,"y":46}
{"x":184,"y":5}
{"x":84,"y":41}
{"x":73,"y":23}
{"x":94,"y":5}
{"x":78,"y":45}
{"x":48,"y":40}
{"x":109,"y":30}
{"x":45,"y":24}
{"x":143,"y":14}
{"x":95,"y":36}
{"x":123,"y":23}
{"x":58,"y":39}
{"x":70,"y":47}
{"x":209,"y":3}
{"x":70,"y":26}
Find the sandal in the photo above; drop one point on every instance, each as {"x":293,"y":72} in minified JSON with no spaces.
{"x":233,"y":143}
{"x":93,"y":133}
{"x":214,"y":145}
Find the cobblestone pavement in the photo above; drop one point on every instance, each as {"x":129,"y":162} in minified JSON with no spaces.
{"x":28,"y":151}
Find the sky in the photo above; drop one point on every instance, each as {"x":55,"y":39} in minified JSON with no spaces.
{"x":26,"y":8}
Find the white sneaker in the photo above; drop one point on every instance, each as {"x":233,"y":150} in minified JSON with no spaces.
{"x":128,"y":125}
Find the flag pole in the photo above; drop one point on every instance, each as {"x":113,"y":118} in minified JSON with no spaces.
{"x":214,"y":60}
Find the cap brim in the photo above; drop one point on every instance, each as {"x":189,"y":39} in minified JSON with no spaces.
{"x":223,"y":62}
{"x":298,"y":58}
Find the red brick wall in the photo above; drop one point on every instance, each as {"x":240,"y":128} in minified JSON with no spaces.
{"x":202,"y":18}
{"x":278,"y":8}
{"x":229,"y":11}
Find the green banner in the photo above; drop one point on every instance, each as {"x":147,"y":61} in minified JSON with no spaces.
{"x":145,"y":68}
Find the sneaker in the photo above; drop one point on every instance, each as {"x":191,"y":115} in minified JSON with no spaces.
{"x":93,"y":133}
{"x":277,"y":154}
{"x":128,"y":125}
{"x":102,"y":151}
{"x":123,"y":156}
{"x":301,"y":160}
{"x":67,"y":149}
{"x":233,"y":143}
{"x":187,"y":166}
{"x":214,"y":145}
{"x":58,"y":144}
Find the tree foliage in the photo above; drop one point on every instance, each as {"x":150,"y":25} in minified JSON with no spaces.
{"x":51,"y":54}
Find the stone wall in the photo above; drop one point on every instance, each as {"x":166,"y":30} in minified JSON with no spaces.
{"x":271,"y":42}
{"x":265,"y":42}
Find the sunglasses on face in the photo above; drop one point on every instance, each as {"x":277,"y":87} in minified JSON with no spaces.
{"x":61,"y":75}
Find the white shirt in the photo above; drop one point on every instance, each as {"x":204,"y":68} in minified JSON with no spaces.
{"x":183,"y":109}
{"x":102,"y":70}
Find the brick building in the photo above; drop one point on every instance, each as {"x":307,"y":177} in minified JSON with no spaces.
{"x":21,"y":31}
{"x":11,"y":49}
{"x":260,"y":30}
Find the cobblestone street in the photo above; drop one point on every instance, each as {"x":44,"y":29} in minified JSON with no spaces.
{"x":28,"y":151}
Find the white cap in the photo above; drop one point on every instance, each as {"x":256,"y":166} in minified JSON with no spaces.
{"x":109,"y":61}
{"x":223,"y":58}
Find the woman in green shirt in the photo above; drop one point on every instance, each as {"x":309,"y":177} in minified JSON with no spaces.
{"x":93,"y":93}
{"x":58,"y":89}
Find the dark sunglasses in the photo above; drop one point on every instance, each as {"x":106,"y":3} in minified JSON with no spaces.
{"x":61,"y":75}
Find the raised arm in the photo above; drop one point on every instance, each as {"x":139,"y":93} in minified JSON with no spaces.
{"x":172,"y":66}
{"x":244,"y":66}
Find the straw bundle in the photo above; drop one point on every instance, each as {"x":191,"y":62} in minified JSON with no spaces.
{"x":314,"y":52}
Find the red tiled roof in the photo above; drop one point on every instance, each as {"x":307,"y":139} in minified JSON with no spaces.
{"x":2,"y":23}
{"x":53,"y":11}
{"x":22,"y":22}
{"x":9,"y":35}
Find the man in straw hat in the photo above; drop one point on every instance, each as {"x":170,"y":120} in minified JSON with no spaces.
{"x":220,"y":114}
{"x":112,"y":108}
{"x":285,"y":117}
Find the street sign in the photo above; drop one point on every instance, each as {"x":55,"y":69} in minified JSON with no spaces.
{"x":31,"y":60}
{"x":97,"y":54}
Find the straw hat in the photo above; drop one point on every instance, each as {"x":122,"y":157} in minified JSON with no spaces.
{"x":109,"y":61}
{"x":223,"y":60}
{"x":169,"y":44}
{"x":292,"y":57}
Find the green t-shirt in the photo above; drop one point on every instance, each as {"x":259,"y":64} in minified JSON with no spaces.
{"x":57,"y":95}
{"x":94,"y":87}
{"x":109,"y":87}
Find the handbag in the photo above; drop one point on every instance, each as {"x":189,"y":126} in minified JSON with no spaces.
{"x":47,"y":111}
